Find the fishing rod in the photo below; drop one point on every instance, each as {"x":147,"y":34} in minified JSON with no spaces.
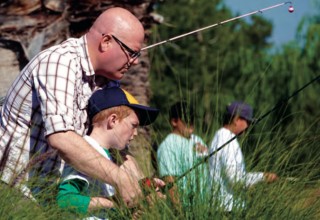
{"x":256,"y":121}
{"x":290,"y":9}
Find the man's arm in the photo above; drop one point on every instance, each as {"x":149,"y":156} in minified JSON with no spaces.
{"x":131,"y":167}
{"x":80,"y":155}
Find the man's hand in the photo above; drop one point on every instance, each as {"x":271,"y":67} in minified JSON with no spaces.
{"x":130,"y":165}
{"x":129,"y":190}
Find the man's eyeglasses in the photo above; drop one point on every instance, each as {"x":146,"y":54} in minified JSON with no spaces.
{"x":132,"y":53}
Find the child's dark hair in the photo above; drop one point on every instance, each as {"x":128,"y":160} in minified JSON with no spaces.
{"x":227,"y":118}
{"x":181,"y":110}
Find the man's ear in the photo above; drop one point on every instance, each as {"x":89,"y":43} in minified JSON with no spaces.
{"x":105,"y":42}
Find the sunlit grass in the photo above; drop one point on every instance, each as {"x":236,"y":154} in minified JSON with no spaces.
{"x":274,"y":149}
{"x":296,"y":198}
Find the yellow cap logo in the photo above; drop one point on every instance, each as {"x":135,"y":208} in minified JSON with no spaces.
{"x":130,"y":98}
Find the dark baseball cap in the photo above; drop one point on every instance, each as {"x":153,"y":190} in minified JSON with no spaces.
{"x":115,"y":96}
{"x":241,"y":109}
{"x":182,"y":110}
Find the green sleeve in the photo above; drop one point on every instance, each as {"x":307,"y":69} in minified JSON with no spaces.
{"x":70,"y":196}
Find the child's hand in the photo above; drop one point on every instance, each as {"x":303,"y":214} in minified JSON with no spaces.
{"x":270,"y":177}
{"x":199,"y":148}
{"x":158,"y":183}
{"x":154,"y":184}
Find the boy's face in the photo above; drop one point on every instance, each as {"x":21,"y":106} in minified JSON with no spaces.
{"x":241,"y":125}
{"x":125,"y":130}
{"x":181,"y":128}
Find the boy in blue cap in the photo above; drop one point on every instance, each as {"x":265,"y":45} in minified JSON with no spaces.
{"x":115,"y":116}
{"x":227,"y":167}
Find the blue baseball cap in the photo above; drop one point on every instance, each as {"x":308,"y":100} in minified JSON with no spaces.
{"x":115,"y":96}
{"x":241,"y":109}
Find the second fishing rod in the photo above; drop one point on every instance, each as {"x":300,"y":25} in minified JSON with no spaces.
{"x":281,"y":103}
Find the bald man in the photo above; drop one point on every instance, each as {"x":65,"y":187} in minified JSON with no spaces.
{"x":44,"y":114}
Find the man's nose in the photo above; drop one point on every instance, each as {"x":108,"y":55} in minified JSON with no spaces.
{"x":134,"y":61}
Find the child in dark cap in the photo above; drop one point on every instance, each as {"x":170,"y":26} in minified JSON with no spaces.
{"x":115,"y":116}
{"x":227,"y":167}
{"x":179,"y":152}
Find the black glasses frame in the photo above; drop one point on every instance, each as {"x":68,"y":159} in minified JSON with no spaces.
{"x":132,"y":53}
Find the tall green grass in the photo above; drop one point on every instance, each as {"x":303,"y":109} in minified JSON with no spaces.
{"x":271,"y":149}
{"x":264,"y":149}
{"x":284,"y":199}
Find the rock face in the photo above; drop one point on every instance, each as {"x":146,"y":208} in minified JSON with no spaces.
{"x":29,"y":26}
{"x":9,"y":69}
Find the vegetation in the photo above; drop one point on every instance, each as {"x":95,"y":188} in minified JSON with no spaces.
{"x":210,"y":69}
{"x":234,"y":62}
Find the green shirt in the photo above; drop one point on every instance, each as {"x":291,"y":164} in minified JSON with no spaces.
{"x":75,"y":191}
{"x":72,"y":195}
{"x":176,"y":155}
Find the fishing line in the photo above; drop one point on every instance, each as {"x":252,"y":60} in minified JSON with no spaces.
{"x":290,"y":9}
{"x":256,"y":121}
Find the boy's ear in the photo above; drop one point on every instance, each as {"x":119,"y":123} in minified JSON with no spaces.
{"x":112,"y":120}
{"x":235,"y":119}
{"x":174,"y":122}
{"x":105,"y":42}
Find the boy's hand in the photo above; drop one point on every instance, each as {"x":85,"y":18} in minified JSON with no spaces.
{"x":270,"y":177}
{"x":158,"y":183}
{"x":201,"y":149}
{"x":154,"y":184}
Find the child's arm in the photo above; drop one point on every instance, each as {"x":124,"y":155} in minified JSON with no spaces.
{"x":99,"y":203}
{"x":70,"y":196}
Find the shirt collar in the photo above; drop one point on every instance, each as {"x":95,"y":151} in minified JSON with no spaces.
{"x":85,"y":62}
{"x":103,"y":151}
{"x":228,"y":131}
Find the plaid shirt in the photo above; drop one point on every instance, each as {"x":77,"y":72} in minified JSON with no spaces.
{"x":49,"y":95}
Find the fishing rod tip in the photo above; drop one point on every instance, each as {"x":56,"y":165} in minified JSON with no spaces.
{"x":291,"y":9}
